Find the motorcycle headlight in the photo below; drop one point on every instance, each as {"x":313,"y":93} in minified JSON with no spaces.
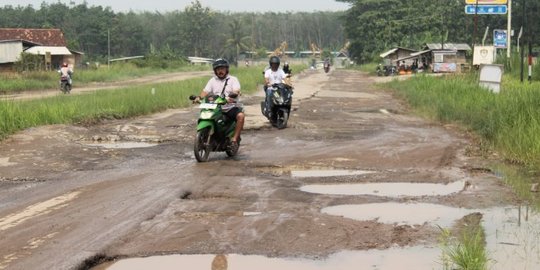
{"x":206,"y":114}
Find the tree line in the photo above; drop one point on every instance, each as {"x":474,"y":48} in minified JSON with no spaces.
{"x":374,"y":26}
{"x":194,"y":31}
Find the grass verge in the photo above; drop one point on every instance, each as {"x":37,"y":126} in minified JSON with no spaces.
{"x":509,"y":122}
{"x":109,"y":104}
{"x":16,"y":82}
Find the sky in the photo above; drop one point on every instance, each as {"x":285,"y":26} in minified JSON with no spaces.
{"x":219,"y":5}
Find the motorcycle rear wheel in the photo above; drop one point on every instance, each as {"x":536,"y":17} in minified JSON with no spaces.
{"x":201,"y":147}
{"x":282,"y":118}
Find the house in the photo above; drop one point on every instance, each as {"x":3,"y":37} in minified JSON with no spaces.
{"x":391,"y":57}
{"x":450,"y":57}
{"x":47,"y":42}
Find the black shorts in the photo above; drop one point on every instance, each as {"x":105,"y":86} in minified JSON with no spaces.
{"x":233,"y":112}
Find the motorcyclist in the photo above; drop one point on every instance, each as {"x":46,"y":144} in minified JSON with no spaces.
{"x":274,"y":75}
{"x":66,"y":72}
{"x":287,"y":69}
{"x":229,"y":86}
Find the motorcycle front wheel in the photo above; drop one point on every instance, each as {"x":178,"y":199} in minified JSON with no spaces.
{"x":282,"y":118}
{"x":202,"y":148}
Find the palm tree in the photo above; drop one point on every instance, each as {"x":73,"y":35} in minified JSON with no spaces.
{"x":237,"y":40}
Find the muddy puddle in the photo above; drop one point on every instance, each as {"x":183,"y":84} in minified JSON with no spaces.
{"x":122,"y":145}
{"x":400,"y":213}
{"x":512,"y":233}
{"x":418,"y":258}
{"x":387,"y":189}
{"x":327,"y":173}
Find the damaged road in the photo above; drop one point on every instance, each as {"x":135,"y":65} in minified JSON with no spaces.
{"x":72,"y":197}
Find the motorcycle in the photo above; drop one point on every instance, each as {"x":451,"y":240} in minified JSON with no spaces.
{"x":214,"y":129}
{"x":280,"y":108}
{"x":326,"y":67}
{"x":65,"y":85}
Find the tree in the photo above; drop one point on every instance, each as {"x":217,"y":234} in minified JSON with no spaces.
{"x":237,"y":41}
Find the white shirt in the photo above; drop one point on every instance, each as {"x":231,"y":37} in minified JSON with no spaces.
{"x":215,"y":86}
{"x":277,"y":76}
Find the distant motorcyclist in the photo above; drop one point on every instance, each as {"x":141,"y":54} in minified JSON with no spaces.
{"x":274,"y":75}
{"x":229,"y":86}
{"x":65,"y":73}
{"x":287,"y":69}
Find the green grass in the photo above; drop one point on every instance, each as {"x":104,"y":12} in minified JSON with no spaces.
{"x":370,"y":68}
{"x":109,"y":104}
{"x":465,"y":252}
{"x":509,"y":122}
{"x":49,"y":79}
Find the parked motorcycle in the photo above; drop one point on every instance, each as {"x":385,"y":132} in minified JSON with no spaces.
{"x":65,"y":85}
{"x":280,"y":108}
{"x":214,"y":129}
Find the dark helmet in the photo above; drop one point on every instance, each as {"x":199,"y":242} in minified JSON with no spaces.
{"x":274,"y":60}
{"x":220,"y":63}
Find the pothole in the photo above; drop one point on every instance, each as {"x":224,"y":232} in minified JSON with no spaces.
{"x":418,"y":258}
{"x":122,"y":145}
{"x":4,"y":162}
{"x":399,"y":213}
{"x":327,"y":173}
{"x":21,"y":180}
{"x":387,"y":189}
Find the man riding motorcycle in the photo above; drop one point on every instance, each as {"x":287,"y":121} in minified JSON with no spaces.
{"x":229,"y":86}
{"x":274,"y":75}
{"x":65,"y":73}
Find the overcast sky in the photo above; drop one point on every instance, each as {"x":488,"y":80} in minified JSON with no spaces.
{"x":220,"y":5}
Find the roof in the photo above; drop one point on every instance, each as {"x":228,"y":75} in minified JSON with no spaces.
{"x":449,"y":46}
{"x":53,"y":50}
{"x":45,"y":37}
{"x":385,"y":54}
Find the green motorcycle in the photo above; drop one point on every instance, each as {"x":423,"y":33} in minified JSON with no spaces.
{"x":214,"y":129}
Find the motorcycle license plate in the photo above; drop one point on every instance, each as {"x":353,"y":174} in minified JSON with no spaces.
{"x":208,"y":106}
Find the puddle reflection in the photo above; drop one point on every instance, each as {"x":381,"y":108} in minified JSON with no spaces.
{"x":387,"y":189}
{"x":399,"y":213}
{"x":123,"y":145}
{"x":327,"y":173}
{"x":418,"y":258}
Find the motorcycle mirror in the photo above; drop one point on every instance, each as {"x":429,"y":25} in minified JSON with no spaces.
{"x":192,"y":97}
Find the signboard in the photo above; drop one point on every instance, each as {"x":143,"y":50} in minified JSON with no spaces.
{"x":486,"y":2}
{"x":486,"y":9}
{"x":483,"y":55}
{"x":491,"y":76}
{"x":500,"y":37}
{"x":444,"y":67}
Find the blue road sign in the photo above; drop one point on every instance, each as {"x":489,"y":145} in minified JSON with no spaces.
{"x":486,"y":9}
{"x":500,"y":38}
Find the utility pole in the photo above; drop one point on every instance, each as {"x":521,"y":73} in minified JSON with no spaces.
{"x":509,"y":30}
{"x":530,"y":47}
{"x":108,"y":48}
{"x":522,"y":52}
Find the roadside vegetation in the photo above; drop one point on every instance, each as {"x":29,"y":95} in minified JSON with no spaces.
{"x":110,"y":104}
{"x":39,"y":80}
{"x":509,"y":122}
{"x":465,"y":251}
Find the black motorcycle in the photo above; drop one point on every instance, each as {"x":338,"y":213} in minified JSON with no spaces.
{"x":65,"y":85}
{"x":280,"y":107}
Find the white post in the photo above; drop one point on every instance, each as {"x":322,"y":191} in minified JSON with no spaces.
{"x":509,"y":30}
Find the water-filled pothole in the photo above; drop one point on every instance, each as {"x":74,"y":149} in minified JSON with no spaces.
{"x":123,"y":145}
{"x":387,"y":189}
{"x":327,"y":173}
{"x":418,"y":258}
{"x":400,"y":213}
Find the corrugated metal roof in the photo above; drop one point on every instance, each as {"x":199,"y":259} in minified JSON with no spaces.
{"x":53,"y":50}
{"x":449,"y":46}
{"x":385,"y":54}
{"x":45,"y":37}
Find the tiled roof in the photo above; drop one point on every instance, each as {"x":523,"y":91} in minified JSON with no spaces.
{"x":45,"y":37}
